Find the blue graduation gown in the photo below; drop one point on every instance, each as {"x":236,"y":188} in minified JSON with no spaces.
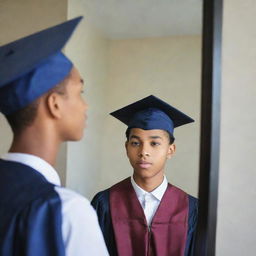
{"x":30,"y":213}
{"x":102,"y":206}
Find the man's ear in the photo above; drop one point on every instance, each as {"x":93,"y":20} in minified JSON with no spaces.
{"x":54,"y":104}
{"x":171,"y":150}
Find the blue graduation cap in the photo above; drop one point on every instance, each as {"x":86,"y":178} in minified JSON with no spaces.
{"x":31,"y":66}
{"x":151,"y":113}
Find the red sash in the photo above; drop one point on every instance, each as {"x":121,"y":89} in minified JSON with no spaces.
{"x":168,"y":232}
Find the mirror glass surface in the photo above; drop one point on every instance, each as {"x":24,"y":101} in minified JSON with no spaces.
{"x":127,"y":50}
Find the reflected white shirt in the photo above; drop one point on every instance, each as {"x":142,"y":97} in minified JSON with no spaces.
{"x":150,"y":201}
{"x":80,"y":229}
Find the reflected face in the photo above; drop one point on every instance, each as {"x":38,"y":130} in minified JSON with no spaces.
{"x":74,"y":108}
{"x":148,"y":151}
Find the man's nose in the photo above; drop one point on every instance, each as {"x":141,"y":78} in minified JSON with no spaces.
{"x":144,"y":152}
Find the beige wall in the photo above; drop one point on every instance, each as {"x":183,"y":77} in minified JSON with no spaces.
{"x":170,"y":69}
{"x":19,"y":18}
{"x":236,"y":229}
{"x":88,"y":50}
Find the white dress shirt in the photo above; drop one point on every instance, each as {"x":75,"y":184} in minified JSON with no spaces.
{"x":150,"y":201}
{"x":80,"y":229}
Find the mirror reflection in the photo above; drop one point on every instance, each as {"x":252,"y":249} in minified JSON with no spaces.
{"x":130,"y":50}
{"x":127,"y":50}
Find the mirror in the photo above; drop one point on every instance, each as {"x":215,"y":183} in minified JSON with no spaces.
{"x":127,"y":50}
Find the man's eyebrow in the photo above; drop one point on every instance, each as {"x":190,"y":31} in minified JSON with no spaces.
{"x":155,"y":137}
{"x":134,"y":137}
{"x":151,"y":137}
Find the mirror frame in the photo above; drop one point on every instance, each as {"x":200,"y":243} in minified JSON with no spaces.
{"x":210,"y":127}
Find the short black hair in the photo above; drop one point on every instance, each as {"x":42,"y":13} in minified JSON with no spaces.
{"x":24,"y":117}
{"x":171,"y":137}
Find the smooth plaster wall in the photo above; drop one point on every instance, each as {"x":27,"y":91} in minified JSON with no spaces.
{"x":236,"y":229}
{"x":19,"y":18}
{"x":170,"y":69}
{"x":88,"y":50}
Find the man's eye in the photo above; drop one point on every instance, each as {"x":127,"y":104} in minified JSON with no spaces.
{"x":154,"y":143}
{"x":134,"y":143}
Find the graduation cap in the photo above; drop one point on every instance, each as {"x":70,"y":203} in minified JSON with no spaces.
{"x":31,"y":66}
{"x":151,"y":113}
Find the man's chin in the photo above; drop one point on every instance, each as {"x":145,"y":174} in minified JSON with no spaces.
{"x":143,"y":173}
{"x":76,"y":138}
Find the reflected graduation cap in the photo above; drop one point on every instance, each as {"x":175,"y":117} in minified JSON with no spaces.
{"x":31,"y":66}
{"x":151,"y":113}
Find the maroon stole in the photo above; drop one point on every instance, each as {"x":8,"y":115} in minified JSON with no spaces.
{"x":168,"y":232}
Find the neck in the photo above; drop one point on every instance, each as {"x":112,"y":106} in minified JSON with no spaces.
{"x":149,"y":184}
{"x":36,"y":142}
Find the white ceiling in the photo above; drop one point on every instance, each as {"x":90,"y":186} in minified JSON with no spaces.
{"x":120,"y":19}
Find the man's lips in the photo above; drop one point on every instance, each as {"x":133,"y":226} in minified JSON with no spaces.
{"x":144,"y":164}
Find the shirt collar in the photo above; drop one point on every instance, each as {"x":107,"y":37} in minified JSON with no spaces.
{"x":157,"y":192}
{"x":36,"y":163}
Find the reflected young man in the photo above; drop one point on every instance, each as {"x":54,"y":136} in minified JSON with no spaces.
{"x":40,"y":96}
{"x":144,"y":214}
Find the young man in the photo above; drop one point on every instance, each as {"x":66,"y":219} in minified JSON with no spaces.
{"x":40,"y":96}
{"x":144,"y":214}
